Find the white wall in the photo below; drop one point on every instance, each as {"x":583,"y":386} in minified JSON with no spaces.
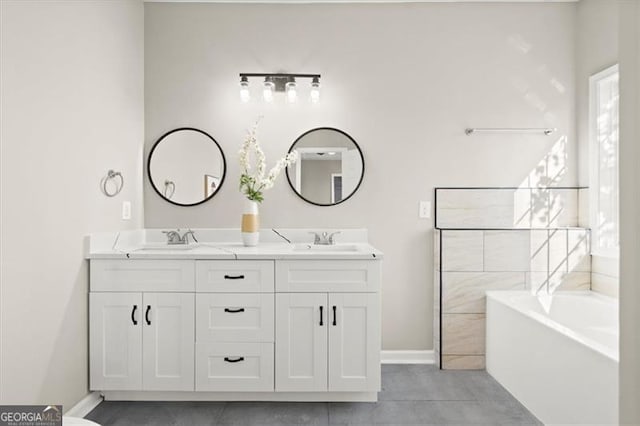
{"x":72,"y":108}
{"x":404,"y":80}
{"x":629,"y":211}
{"x":597,"y":49}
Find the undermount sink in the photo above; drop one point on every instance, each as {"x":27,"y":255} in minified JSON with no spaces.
{"x":325,"y":248}
{"x":165,"y":246}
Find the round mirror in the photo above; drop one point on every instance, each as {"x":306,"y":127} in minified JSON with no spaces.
{"x":329,"y":169}
{"x":186,"y":166}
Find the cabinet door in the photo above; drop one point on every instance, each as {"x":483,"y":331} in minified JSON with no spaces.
{"x":301,"y":342}
{"x":354,"y":342}
{"x":115,"y":341}
{"x":168,"y":341}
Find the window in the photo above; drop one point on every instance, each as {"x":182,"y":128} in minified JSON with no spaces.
{"x":603,"y":134}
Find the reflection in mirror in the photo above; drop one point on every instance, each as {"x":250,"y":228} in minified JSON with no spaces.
{"x":330,"y":167}
{"x":186,"y":166}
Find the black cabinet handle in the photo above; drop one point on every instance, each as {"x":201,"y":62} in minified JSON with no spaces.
{"x":146,"y":315}
{"x":321,"y":323}
{"x":133,"y":315}
{"x":233,"y":311}
{"x":234,"y":277}
{"x":334,"y":315}
{"x":240,"y":358}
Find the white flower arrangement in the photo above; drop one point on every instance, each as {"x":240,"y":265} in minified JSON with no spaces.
{"x":253,"y":185}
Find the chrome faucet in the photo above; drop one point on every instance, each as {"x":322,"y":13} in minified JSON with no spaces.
{"x":174,"y":238}
{"x":324,"y":239}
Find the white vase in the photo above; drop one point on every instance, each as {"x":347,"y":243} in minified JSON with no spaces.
{"x":250,"y":228}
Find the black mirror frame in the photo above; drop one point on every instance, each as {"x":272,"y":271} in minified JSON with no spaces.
{"x":361,"y":157}
{"x":155,"y":145}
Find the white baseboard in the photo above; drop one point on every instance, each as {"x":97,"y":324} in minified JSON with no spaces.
{"x":85,"y":405}
{"x":407,"y":357}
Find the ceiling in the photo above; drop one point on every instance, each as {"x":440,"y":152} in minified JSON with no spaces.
{"x":361,"y":1}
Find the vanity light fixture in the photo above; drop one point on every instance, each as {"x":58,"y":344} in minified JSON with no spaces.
{"x":280,"y":82}
{"x":267,"y":90}
{"x":315,"y":90}
{"x":245,"y":96}
{"x":292,"y":94}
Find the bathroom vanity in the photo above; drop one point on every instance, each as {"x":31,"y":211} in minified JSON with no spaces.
{"x":288,"y":321}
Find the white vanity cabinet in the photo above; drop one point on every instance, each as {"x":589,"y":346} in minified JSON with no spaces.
{"x":328,"y":341}
{"x":139,"y":339}
{"x":234,"y":325}
{"x":115,"y":342}
{"x":280,"y":328}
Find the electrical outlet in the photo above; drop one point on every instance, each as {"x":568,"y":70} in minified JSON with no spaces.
{"x":126,"y":210}
{"x":425,"y":210}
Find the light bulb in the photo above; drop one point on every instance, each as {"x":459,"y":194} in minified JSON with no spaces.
{"x":245,"y":96}
{"x":292,"y":94}
{"x":267,"y":91}
{"x":315,"y":90}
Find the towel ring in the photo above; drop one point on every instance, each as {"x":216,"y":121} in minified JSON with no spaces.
{"x":169,"y":184}
{"x":110,"y":176}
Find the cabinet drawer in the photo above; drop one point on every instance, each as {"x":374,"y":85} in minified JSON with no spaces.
{"x":234,"y":367}
{"x":234,"y":276}
{"x":327,"y":276}
{"x":228,"y":317}
{"x":142,"y":275}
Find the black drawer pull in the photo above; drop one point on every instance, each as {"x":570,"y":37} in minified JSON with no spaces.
{"x":334,"y":315}
{"x":133,"y":315}
{"x":240,"y":358}
{"x":234,"y":277}
{"x":234,"y":311}
{"x":146,"y":315}
{"x":321,"y":323}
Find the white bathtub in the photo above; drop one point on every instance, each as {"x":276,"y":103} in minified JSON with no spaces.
{"x":558,"y":355}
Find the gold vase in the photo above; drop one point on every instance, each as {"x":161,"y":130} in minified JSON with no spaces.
{"x":250,"y":227}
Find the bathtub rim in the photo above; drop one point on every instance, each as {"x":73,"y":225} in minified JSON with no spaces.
{"x":503,"y":297}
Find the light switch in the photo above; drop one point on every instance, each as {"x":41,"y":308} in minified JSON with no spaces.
{"x":126,"y":210}
{"x":425,"y":209}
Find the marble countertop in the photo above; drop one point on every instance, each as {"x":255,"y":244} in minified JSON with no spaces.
{"x":224,"y":244}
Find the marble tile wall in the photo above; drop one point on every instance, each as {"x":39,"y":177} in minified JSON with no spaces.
{"x":508,"y":208}
{"x":474,"y":261}
{"x":502,"y":239}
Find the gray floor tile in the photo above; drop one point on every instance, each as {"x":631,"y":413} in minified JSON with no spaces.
{"x":382,"y":412}
{"x":134,"y":413}
{"x":428,"y":383}
{"x":411,"y":395}
{"x":275,"y":413}
{"x":430,"y":413}
{"x":478,"y":413}
{"x":422,"y":383}
{"x":480,"y":384}
{"x":119,"y":413}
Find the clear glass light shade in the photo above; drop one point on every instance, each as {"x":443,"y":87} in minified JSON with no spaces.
{"x":292,"y":94}
{"x":315,"y":91}
{"x":245,"y":96}
{"x":267,"y":91}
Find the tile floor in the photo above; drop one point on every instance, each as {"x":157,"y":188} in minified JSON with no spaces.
{"x":411,"y":395}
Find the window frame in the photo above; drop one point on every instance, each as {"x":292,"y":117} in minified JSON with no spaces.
{"x":594,"y":163}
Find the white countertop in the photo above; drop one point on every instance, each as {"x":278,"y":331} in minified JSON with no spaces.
{"x":225,"y":244}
